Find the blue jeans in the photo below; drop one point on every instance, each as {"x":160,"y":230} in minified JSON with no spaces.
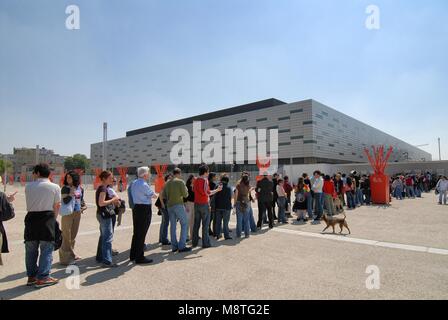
{"x":242,"y":218}
{"x":178,"y":212}
{"x":318,"y":205}
{"x":106,"y":238}
{"x":252,"y":224}
{"x":222,"y":222}
{"x":42,"y":271}
{"x":359,"y":197}
{"x":309,"y":204}
{"x":201,"y":214}
{"x":418,"y":192}
{"x":281,"y":201}
{"x":350,"y":200}
{"x":398,"y":193}
{"x":410,"y":192}
{"x":163,"y":234}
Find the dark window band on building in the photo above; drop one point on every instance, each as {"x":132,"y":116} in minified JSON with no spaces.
{"x":259,"y":105}
{"x":262,"y":119}
{"x":272,"y":127}
{"x":309,"y":141}
{"x":296,"y":137}
{"x":284,"y":144}
{"x":284,"y":131}
{"x":296,"y":111}
{"x":309,"y":122}
{"x":242,"y":120}
{"x":216,"y":125}
{"x":319,"y":116}
{"x":284,"y":118}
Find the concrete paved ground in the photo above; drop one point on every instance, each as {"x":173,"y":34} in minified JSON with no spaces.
{"x":406,"y":241}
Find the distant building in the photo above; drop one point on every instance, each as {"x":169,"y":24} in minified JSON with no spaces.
{"x":24,"y":159}
{"x":308,"y":133}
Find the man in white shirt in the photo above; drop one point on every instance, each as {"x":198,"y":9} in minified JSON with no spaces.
{"x":317,"y":184}
{"x":43,"y":200}
{"x":442,"y":187}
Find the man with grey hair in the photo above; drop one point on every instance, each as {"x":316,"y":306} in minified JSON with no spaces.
{"x":142,"y":194}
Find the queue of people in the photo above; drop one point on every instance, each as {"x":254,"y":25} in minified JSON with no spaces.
{"x":205,"y":203}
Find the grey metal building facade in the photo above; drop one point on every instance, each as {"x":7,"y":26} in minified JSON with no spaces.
{"x":308,"y":132}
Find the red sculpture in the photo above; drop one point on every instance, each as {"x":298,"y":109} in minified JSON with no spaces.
{"x":160,"y":179}
{"x":23,"y":179}
{"x":379,"y":181}
{"x":11,"y":179}
{"x":263,"y":167}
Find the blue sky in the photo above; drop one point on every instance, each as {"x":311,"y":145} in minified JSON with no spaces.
{"x":139,"y":62}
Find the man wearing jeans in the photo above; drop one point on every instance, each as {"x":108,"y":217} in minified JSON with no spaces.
{"x":317,"y":186}
{"x":43,"y":200}
{"x":174,"y":192}
{"x":202,"y":195}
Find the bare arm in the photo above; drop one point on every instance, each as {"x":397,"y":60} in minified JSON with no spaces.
{"x":102,"y":202}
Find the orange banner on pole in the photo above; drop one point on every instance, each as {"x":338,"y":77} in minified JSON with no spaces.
{"x":160,"y":179}
{"x":97,"y":180}
{"x":124,"y":181}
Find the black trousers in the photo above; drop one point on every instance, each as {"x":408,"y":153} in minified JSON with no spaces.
{"x":141,"y":218}
{"x":262,"y":207}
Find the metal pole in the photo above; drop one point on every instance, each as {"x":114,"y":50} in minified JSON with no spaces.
{"x":37,"y":155}
{"x":440,"y":154}
{"x":104,"y":146}
{"x":5,"y":181}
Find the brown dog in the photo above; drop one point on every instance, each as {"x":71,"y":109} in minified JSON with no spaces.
{"x":333,"y":221}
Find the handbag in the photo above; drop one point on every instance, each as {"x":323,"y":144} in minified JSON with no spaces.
{"x":6,"y":210}
{"x":107,"y":212}
{"x":67,"y":208}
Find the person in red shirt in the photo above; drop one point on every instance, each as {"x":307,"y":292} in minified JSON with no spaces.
{"x":329,"y":193}
{"x":202,"y":195}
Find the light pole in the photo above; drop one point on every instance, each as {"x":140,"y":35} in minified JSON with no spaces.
{"x":440,"y":154}
{"x":4,"y":174}
{"x":104,"y":146}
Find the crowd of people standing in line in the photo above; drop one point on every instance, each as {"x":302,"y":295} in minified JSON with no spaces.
{"x":205,"y":202}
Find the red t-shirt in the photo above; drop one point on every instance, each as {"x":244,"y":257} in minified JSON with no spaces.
{"x":329,"y":187}
{"x":201,"y":191}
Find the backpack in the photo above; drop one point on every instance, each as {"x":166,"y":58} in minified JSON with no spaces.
{"x":6,"y":209}
{"x":300,"y":197}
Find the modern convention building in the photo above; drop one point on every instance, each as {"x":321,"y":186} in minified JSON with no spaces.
{"x":308,"y":133}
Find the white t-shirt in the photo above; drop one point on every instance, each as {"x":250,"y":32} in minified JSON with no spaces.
{"x":42,"y":195}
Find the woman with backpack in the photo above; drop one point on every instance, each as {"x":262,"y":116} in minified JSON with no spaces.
{"x":300,"y":204}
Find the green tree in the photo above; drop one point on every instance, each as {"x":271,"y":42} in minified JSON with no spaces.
{"x":9,"y":167}
{"x":78,"y":161}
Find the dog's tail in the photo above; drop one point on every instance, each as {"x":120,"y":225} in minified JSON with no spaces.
{"x":345,"y":217}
